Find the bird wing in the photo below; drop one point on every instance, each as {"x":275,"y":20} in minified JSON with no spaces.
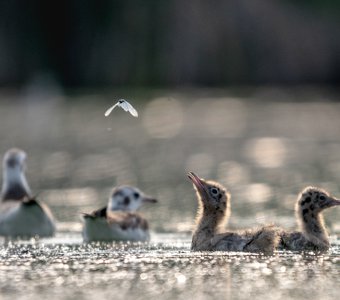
{"x":127,"y":220}
{"x":228,"y":241}
{"x":111,"y":109}
{"x":296,"y":241}
{"x":99,"y":213}
{"x":128,"y":107}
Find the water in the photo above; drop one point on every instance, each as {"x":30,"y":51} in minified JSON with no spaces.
{"x":164,"y":268}
{"x":264,"y":145}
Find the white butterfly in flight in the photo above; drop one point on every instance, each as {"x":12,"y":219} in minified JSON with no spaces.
{"x":124,"y":105}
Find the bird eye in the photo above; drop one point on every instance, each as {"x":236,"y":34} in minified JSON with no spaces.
{"x":322,"y":198}
{"x":214,"y":191}
{"x":136,"y":195}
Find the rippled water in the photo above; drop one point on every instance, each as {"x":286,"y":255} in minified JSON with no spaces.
{"x":264,"y":145}
{"x":66,"y":268}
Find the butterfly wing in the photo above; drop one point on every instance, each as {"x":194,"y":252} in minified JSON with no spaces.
{"x":110,"y":109}
{"x":130,"y":109}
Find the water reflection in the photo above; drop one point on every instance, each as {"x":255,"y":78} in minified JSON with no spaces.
{"x":232,"y":173}
{"x":71,"y":197}
{"x":225,"y":117}
{"x":56,"y":165}
{"x":266,"y":152}
{"x":257,"y":193}
{"x":202,"y":163}
{"x":163,"y":118}
{"x":115,"y":166}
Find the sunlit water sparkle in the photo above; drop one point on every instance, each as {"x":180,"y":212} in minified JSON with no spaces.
{"x":65,"y":267}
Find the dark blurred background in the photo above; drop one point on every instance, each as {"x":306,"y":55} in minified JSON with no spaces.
{"x":84,"y":43}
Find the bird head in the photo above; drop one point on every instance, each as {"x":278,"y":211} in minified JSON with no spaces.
{"x":14,"y":161}
{"x":212,"y":195}
{"x":313,"y":199}
{"x":14,"y":165}
{"x":14,"y":184}
{"x":128,"y":198}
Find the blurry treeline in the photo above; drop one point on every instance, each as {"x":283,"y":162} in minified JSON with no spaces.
{"x":169,"y":42}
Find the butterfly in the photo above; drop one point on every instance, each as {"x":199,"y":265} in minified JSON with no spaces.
{"x":124,"y":105}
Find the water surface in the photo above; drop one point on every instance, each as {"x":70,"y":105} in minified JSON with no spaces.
{"x":264,"y":145}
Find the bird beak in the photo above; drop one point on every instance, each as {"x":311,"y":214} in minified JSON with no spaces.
{"x":198,"y":183}
{"x":331,"y":202}
{"x":147,"y":199}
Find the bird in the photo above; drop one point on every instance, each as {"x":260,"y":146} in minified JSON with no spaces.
{"x":312,"y":234}
{"x":21,"y":214}
{"x":213,"y":213}
{"x":124,"y":105}
{"x":119,"y":221}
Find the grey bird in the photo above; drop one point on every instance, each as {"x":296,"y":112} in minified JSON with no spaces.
{"x":119,"y":221}
{"x":21,"y":215}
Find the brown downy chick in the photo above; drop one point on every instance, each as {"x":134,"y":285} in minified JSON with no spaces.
{"x":212,"y":215}
{"x":312,"y":234}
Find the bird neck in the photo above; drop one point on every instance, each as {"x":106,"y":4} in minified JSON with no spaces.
{"x":14,"y":186}
{"x":313,"y":226}
{"x":209,"y":222}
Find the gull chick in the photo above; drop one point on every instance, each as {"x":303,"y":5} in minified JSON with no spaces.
{"x":21,"y":215}
{"x":213,"y":213}
{"x":124,"y":105}
{"x":119,"y":221}
{"x":312,"y":234}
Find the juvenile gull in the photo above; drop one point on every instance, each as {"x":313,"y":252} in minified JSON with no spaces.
{"x":119,"y":221}
{"x":21,"y":215}
{"x":213,"y":213}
